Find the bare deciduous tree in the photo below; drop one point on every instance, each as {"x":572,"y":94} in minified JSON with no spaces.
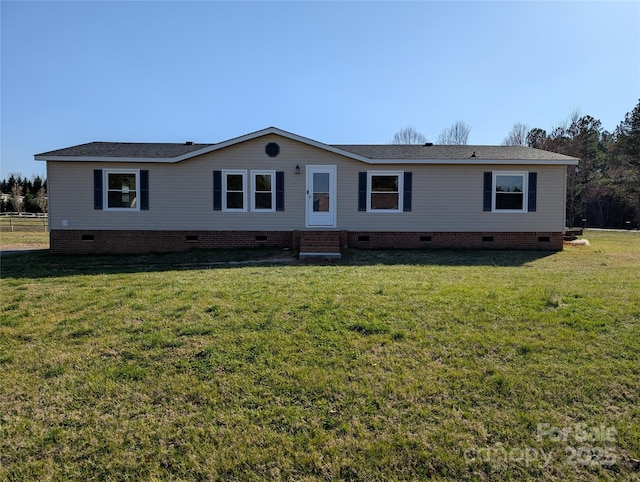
{"x":517,"y":136}
{"x":17,"y":200}
{"x":408,"y":135}
{"x":457,"y":134}
{"x":41,"y":199}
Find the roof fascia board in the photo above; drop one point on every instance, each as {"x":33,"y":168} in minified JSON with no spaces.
{"x":106,"y":159}
{"x":523,"y":162}
{"x":517,"y":162}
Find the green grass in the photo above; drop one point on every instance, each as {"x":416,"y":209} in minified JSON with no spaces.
{"x":26,"y":232}
{"x":388,"y":365}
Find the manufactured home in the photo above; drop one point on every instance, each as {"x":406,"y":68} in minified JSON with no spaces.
{"x":276,"y":188}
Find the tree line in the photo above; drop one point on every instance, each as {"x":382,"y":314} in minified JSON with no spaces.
{"x":603,"y":190}
{"x":23,"y":195}
{"x":457,"y":134}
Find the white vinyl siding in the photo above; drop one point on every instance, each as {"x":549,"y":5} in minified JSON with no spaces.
{"x":444,"y":197}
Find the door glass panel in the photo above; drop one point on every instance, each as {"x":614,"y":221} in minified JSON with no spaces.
{"x":320,"y":192}
{"x":321,"y":202}
{"x":320,"y":182}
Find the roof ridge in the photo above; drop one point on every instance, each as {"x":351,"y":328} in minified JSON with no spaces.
{"x":147,"y":143}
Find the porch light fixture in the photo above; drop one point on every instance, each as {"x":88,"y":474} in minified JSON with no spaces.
{"x":297,"y":168}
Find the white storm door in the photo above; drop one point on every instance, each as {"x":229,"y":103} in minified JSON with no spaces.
{"x":321,"y":196}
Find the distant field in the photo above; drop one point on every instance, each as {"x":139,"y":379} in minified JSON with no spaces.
{"x":388,"y":365}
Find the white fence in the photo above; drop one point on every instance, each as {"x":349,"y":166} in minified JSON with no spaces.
{"x":24,"y":222}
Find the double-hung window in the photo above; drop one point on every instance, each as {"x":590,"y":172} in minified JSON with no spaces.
{"x":234,"y":185}
{"x":122,"y":188}
{"x":509,"y":190}
{"x":384,"y":191}
{"x":263,"y":197}
{"x":240,"y":190}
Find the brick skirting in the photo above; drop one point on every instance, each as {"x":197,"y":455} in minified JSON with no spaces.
{"x":452,"y":240}
{"x":129,"y":241}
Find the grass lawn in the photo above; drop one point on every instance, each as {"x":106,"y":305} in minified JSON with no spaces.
{"x":387,"y":365}
{"x":27,"y":232}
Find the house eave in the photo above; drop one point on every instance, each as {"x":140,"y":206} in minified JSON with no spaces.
{"x":107,"y":159}
{"x":565,"y":160}
{"x":211,"y":148}
{"x":467,"y":162}
{"x":483,"y":162}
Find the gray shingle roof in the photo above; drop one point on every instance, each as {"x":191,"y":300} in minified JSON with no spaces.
{"x":149,"y":150}
{"x":374,"y":154}
{"x":442,"y":152}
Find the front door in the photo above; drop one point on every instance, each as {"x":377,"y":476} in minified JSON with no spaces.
{"x":321,"y":196}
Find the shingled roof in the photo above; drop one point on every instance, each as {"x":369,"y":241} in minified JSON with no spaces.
{"x":149,"y":150}
{"x":368,"y":153}
{"x":444,"y":152}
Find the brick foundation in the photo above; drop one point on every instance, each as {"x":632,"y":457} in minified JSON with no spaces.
{"x":473,"y":240}
{"x":100,"y":241}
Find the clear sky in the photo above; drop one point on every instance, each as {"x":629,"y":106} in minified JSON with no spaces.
{"x":337,"y":72}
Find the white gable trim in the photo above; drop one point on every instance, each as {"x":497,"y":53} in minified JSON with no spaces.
{"x":288,"y":135}
{"x":212,"y":148}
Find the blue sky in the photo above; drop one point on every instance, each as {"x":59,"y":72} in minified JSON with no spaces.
{"x":337,"y":72}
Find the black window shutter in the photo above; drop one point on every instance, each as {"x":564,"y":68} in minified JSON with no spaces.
{"x":362,"y":191}
{"x":533,"y":190}
{"x":144,"y":190}
{"x":217,"y":190}
{"x":406,"y":200}
{"x":97,"y":189}
{"x":488,"y":191}
{"x":279,"y":190}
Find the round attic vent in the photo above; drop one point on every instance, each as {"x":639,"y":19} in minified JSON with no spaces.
{"x":272,"y":149}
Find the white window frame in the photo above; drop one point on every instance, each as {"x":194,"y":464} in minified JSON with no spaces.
{"x":525,"y":191}
{"x":253,"y":190}
{"x":400,"y":175}
{"x":105,"y":189}
{"x":234,"y":172}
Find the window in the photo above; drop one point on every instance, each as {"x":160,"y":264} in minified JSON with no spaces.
{"x":234,"y":185}
{"x":230,"y":191}
{"x":384,"y":190}
{"x":264,"y":192}
{"x":509,"y":190}
{"x":122,"y":188}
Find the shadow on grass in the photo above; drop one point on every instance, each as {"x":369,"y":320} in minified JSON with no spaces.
{"x":44,"y":265}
